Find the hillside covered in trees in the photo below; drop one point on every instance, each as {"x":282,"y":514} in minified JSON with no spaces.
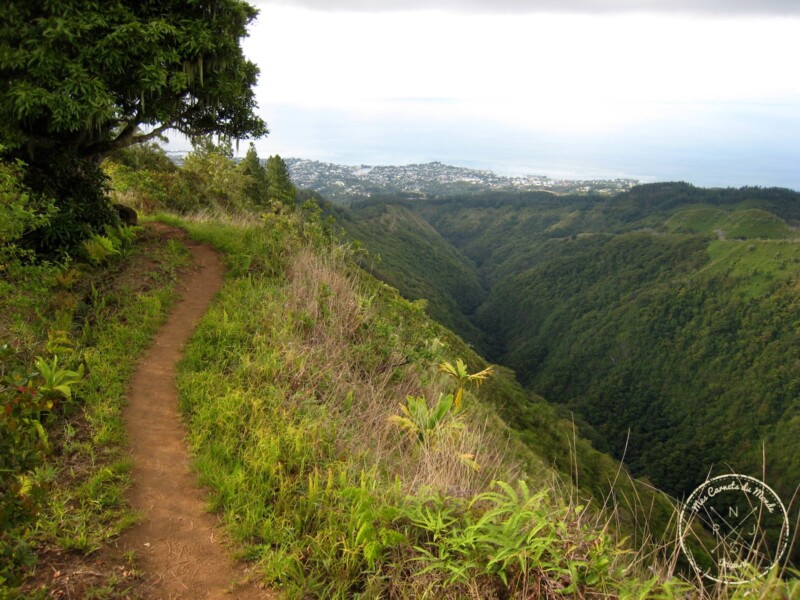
{"x":666,"y":318}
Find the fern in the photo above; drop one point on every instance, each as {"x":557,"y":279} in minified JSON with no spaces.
{"x":99,"y":248}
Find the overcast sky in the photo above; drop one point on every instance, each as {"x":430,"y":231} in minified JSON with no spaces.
{"x":716,"y":7}
{"x":700,"y":90}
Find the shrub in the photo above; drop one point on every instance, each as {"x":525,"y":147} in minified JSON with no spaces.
{"x":27,"y":397}
{"x":21,"y":213}
{"x":79,"y":190}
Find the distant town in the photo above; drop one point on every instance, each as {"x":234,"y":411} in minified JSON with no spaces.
{"x":345,"y":183}
{"x":348,"y":183}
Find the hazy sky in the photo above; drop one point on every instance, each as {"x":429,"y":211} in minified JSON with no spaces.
{"x":705,"y":91}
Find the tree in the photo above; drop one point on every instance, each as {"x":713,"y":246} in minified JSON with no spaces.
{"x":212,"y":173}
{"x":82,"y":78}
{"x":255,"y":187}
{"x":280,"y":186}
{"x":88,"y":74}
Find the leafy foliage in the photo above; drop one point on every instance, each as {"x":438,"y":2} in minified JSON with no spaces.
{"x":87,"y":75}
{"x":79,"y":192}
{"x":21,"y":213}
{"x":79,"y":79}
{"x":514,"y":542}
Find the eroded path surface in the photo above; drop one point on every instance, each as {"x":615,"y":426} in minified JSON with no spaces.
{"x":178,"y":544}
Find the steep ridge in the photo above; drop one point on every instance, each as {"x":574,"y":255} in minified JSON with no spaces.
{"x":666,"y":317}
{"x":406,"y":252}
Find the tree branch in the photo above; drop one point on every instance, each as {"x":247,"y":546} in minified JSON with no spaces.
{"x":128,"y":137}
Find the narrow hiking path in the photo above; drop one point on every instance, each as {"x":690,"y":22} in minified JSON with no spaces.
{"x":177,"y":544}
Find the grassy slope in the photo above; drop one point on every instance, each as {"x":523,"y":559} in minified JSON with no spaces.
{"x":288,"y":388}
{"x":101,"y":318}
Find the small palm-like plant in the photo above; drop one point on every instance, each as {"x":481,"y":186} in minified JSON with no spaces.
{"x":429,"y":425}
{"x":463,"y":377}
{"x":56,"y":382}
{"x":421,"y":421}
{"x":424,"y":423}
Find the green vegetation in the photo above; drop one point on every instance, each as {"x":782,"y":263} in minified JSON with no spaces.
{"x":80,"y":79}
{"x":665,"y":319}
{"x":339,"y":430}
{"x":407,"y":253}
{"x":69,"y":333}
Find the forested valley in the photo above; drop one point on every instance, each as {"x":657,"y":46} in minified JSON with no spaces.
{"x":665,"y":319}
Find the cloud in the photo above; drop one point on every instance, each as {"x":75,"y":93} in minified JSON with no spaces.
{"x":707,"y":7}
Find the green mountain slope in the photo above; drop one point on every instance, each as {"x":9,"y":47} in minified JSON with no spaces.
{"x":409,"y":254}
{"x":298,"y":390}
{"x":737,"y":224}
{"x":667,"y":317}
{"x":664,"y":360}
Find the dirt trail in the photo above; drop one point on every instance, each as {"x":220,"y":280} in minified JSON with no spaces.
{"x":177,"y":543}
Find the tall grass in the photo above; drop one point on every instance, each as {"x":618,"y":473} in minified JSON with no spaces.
{"x":293,"y":388}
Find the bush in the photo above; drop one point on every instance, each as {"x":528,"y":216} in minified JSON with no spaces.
{"x":79,"y":190}
{"x":20,"y":213}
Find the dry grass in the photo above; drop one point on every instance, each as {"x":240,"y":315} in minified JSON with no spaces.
{"x":338,"y":311}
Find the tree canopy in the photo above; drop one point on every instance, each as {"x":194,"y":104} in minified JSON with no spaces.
{"x":82,"y":78}
{"x":88,"y":75}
